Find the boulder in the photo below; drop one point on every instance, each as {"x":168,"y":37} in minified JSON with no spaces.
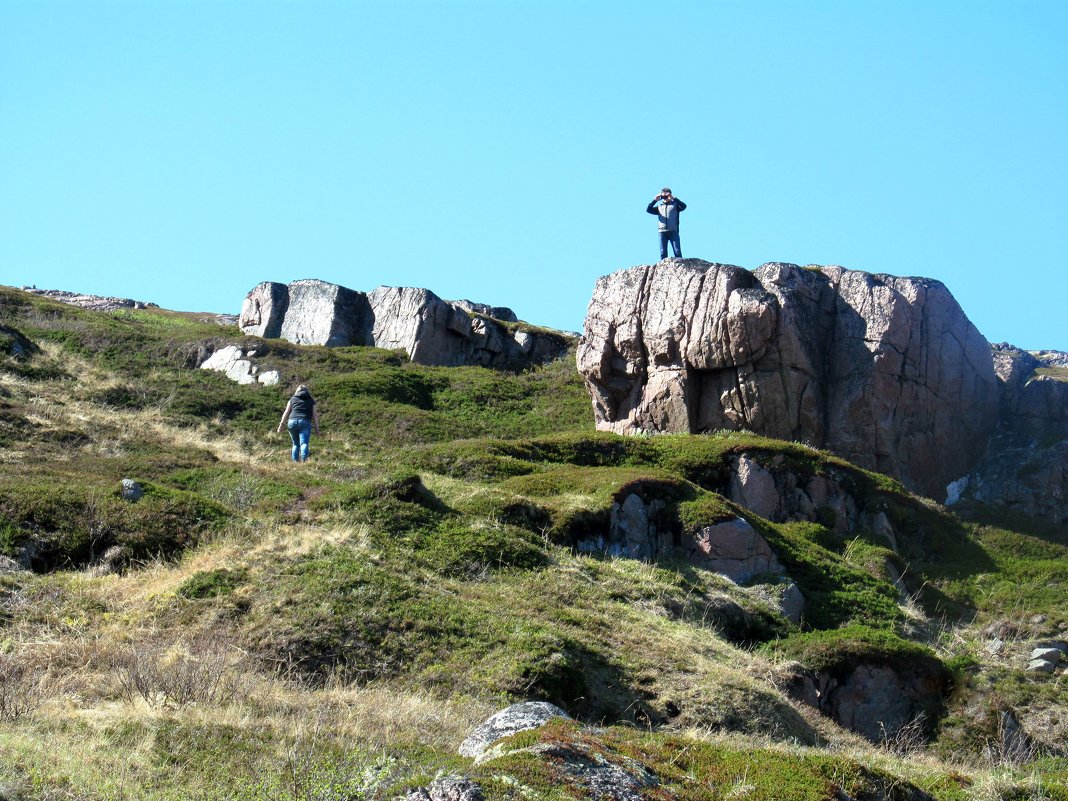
{"x":239,"y":365}
{"x":735,"y":549}
{"x":885,"y":371}
{"x":509,"y":721}
{"x":430,"y":330}
{"x":131,"y":490}
{"x":264,"y":309}
{"x":320,"y":313}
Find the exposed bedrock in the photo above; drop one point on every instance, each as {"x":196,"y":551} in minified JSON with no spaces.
{"x":431,"y":330}
{"x":887,"y":372}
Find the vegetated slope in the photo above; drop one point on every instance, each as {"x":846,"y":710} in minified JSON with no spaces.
{"x":255,"y":629}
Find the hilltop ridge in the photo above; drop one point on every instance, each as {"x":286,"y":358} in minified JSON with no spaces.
{"x":720,"y":615}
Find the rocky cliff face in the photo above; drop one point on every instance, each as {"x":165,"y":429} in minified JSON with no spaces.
{"x":1026,"y":466}
{"x":885,"y":371}
{"x":431,"y":330}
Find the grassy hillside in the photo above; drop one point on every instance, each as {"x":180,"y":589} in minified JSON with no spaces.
{"x":254,"y":629}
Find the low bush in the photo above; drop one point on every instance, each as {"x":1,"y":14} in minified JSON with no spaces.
{"x":72,"y":524}
{"x":205,"y":670}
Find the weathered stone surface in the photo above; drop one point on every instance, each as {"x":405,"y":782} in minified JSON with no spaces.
{"x":449,"y":788}
{"x":321,"y":313}
{"x":430,"y":330}
{"x":735,"y":549}
{"x":422,"y":324}
{"x":885,"y":371}
{"x":239,"y":366}
{"x":1053,"y":655}
{"x":516,"y":718}
{"x":92,"y":302}
{"x":1041,"y":666}
{"x":264,"y":309}
{"x":131,"y":490}
{"x":792,"y":602}
{"x":496,"y":312}
{"x":875,"y":700}
{"x":1026,"y":465}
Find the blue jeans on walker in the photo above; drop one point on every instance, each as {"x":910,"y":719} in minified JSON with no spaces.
{"x":300,"y":432}
{"x":676,"y":244}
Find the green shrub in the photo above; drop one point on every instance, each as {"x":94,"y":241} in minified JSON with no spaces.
{"x":464,"y":549}
{"x":212,"y":583}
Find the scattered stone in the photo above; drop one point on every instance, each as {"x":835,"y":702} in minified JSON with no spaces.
{"x":994,"y":646}
{"x":239,"y":367}
{"x":513,"y":719}
{"x":1041,"y":666}
{"x":9,"y":565}
{"x":449,"y":788}
{"x":1053,"y":655}
{"x":131,"y":490}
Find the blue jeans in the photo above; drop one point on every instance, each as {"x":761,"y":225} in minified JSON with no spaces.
{"x":676,"y":245}
{"x":300,"y":432}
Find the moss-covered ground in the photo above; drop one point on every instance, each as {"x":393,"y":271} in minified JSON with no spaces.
{"x":254,"y":629}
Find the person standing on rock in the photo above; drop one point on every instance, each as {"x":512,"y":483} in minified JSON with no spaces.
{"x":300,"y":417}
{"x":667,"y":207}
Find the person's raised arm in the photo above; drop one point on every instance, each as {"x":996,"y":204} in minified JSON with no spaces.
{"x":680,"y":204}
{"x":285,"y":414}
{"x":651,"y":208}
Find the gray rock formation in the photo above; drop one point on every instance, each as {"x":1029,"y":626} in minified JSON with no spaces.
{"x":509,"y":721}
{"x":239,"y":366}
{"x":885,"y":371}
{"x":93,"y":302}
{"x":575,"y":759}
{"x":431,"y":330}
{"x":1026,"y":465}
{"x":448,"y":788}
{"x":735,"y":549}
{"x":878,"y":701}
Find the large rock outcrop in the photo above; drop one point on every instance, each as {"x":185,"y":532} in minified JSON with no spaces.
{"x":431,"y":330}
{"x":1026,"y":466}
{"x":888,"y":372}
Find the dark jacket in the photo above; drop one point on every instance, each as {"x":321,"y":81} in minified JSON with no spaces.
{"x":667,"y":213}
{"x":301,"y":406}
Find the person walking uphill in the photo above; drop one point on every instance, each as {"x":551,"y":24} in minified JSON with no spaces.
{"x":300,"y":417}
{"x":667,"y":207}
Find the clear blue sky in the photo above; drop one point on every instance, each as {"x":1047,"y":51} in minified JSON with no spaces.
{"x":181,"y":152}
